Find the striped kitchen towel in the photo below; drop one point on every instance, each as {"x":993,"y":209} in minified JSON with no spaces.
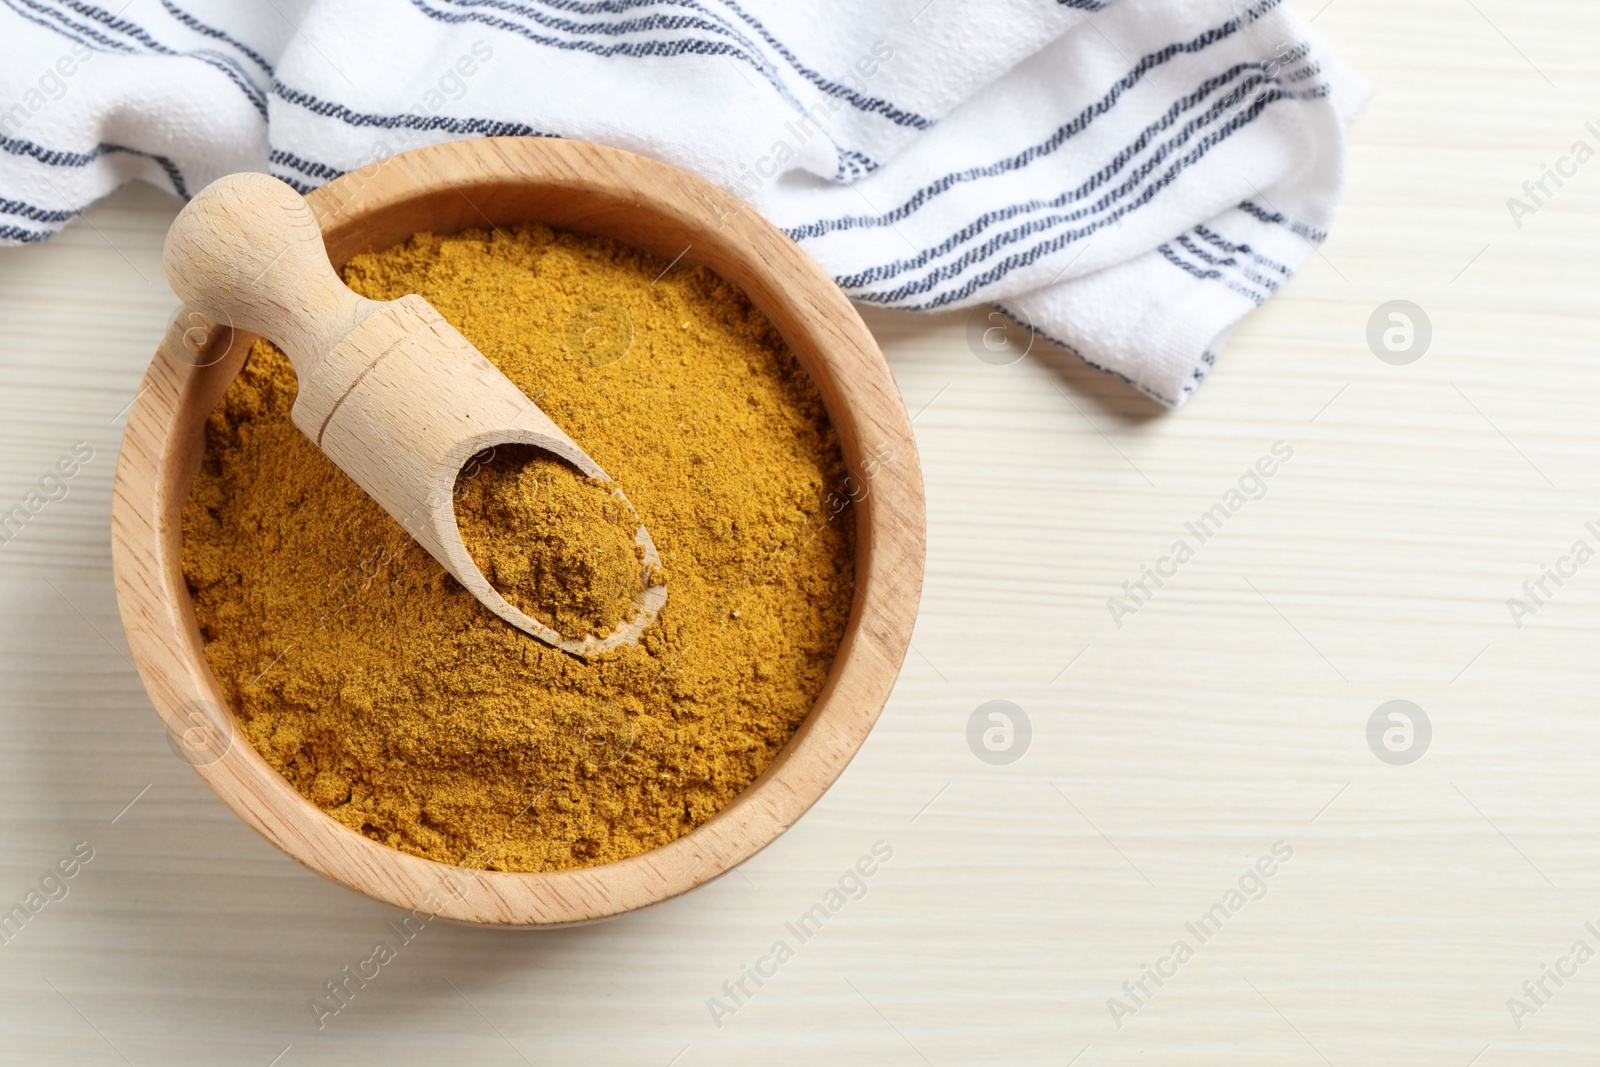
{"x":1127,"y":177}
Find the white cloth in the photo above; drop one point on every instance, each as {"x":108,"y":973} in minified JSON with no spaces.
{"x":1128,"y":177}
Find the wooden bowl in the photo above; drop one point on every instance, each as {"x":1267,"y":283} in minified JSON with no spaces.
{"x":651,"y":206}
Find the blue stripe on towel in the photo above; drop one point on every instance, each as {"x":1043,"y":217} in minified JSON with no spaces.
{"x":872,"y":105}
{"x":1077,"y":125}
{"x":897,"y":297}
{"x":1000,"y":241}
{"x":32,"y":213}
{"x":1097,"y":180}
{"x":1214,"y":238}
{"x":1273,"y":218}
{"x":226,"y":64}
{"x":407,"y":121}
{"x":645,"y":49}
{"x":719,"y":25}
{"x":211,"y":31}
{"x":78,"y":32}
{"x":304,"y":166}
{"x":1170,"y":254}
{"x":27,"y":237}
{"x":298,"y":185}
{"x":53,"y":157}
{"x":1229,"y":263}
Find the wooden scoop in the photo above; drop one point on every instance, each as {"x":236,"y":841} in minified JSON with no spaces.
{"x":389,"y":391}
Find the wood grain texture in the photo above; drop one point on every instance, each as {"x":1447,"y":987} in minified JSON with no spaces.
{"x":1176,"y":749}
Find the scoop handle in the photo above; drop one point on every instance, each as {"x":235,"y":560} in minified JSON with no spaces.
{"x":247,"y":252}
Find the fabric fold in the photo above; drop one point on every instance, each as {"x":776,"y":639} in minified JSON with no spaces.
{"x":1130,"y":178}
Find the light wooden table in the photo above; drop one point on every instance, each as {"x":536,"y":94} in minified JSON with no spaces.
{"x":1228,"y":714}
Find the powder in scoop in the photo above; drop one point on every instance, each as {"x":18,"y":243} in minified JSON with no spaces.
{"x":557,"y":545}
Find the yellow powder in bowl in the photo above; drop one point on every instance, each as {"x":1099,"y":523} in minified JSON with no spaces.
{"x":407,"y":711}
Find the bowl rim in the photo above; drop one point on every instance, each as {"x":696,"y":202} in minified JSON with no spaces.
{"x":594,"y":189}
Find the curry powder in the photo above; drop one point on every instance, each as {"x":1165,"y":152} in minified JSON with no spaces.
{"x":557,"y":545}
{"x":401,"y":706}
